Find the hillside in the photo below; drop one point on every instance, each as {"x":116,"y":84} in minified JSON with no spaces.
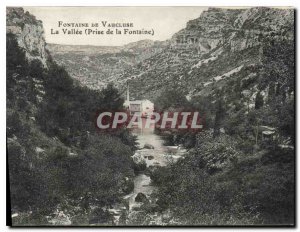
{"x":213,"y":48}
{"x":237,"y":68}
{"x":96,"y":66}
{"x":55,"y":155}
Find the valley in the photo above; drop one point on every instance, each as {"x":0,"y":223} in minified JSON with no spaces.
{"x":234,"y":66}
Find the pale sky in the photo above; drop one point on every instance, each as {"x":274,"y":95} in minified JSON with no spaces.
{"x":165,"y":21}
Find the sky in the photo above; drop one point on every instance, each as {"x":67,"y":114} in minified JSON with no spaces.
{"x":165,"y":21}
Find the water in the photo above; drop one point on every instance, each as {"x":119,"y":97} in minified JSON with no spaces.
{"x":161,"y":155}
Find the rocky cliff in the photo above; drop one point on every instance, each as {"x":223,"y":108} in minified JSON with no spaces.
{"x":241,"y":28}
{"x":221,"y":48}
{"x":29,"y":32}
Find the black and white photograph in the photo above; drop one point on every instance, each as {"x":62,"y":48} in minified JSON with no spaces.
{"x":150,"y":116}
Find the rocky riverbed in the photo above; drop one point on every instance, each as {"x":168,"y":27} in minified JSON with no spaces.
{"x":140,"y":207}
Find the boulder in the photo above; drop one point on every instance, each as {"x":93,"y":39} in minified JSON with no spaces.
{"x":127,"y":185}
{"x":61,"y":218}
{"x":148,"y":146}
{"x":150,"y":157}
{"x":139,"y":162}
{"x":141,"y":197}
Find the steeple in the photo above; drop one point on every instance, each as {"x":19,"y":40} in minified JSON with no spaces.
{"x":127,"y":91}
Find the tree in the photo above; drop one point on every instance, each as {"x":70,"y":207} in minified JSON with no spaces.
{"x":259,"y":101}
{"x":112,"y":99}
{"x":219,"y":116}
{"x":171,"y":98}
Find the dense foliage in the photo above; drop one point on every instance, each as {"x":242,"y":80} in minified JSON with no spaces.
{"x":234,"y":174}
{"x":226,"y":186}
{"x":57,"y":159}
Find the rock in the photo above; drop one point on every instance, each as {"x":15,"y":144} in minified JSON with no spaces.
{"x":61,"y":219}
{"x":139,"y":162}
{"x":148,"y":146}
{"x":150,"y":157}
{"x":39,"y":150}
{"x":14,"y":215}
{"x":127,"y":185}
{"x":166,"y":133}
{"x":29,"y":33}
{"x":141,"y":197}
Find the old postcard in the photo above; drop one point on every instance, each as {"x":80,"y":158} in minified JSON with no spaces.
{"x":150,"y":116}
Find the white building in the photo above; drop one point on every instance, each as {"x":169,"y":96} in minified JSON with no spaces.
{"x":146,"y":107}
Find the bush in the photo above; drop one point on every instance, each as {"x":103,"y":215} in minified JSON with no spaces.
{"x":218,"y":184}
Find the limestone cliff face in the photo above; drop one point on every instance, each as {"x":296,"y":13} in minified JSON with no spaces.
{"x":237,"y":29}
{"x":206,"y":32}
{"x":29,"y":32}
{"x":220,"y":49}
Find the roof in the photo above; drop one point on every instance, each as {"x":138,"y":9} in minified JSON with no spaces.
{"x":135,"y":102}
{"x":268,"y":128}
{"x":268,"y":132}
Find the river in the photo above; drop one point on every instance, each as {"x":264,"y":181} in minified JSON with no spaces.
{"x":160,"y":155}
